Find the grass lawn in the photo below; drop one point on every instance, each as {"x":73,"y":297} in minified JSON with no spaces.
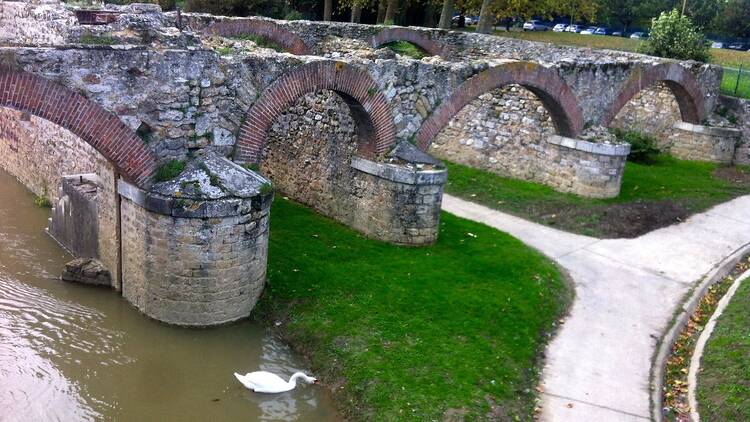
{"x":413,"y":333}
{"x":721,"y":57}
{"x":405,"y":48}
{"x":652,"y":196}
{"x":724,"y":379}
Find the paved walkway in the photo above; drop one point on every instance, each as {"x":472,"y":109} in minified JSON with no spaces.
{"x":627,"y":290}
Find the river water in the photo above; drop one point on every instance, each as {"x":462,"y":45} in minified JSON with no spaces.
{"x":78,"y":353}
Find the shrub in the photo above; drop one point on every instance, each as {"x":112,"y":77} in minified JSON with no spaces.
{"x":169,"y":170}
{"x":294,"y":15}
{"x":643,"y":148}
{"x":675,"y":37}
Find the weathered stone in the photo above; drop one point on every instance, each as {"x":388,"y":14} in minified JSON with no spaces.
{"x":87,"y":271}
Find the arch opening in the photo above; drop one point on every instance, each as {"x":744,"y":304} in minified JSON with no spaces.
{"x":550,"y":89}
{"x":368,"y":107}
{"x":417,"y":38}
{"x":682,"y":84}
{"x":265,"y":33}
{"x":652,"y":111}
{"x":502,"y":131}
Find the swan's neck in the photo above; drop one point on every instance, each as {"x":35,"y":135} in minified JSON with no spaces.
{"x":293,"y":379}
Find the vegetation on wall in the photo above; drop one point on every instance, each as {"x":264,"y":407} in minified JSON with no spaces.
{"x":674,"y":36}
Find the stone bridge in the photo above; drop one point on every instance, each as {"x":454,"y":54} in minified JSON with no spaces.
{"x":333,"y":121}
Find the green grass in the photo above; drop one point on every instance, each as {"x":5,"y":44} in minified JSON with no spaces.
{"x":689,"y":183}
{"x":724,"y":379}
{"x":169,"y":170}
{"x":405,"y":48}
{"x":730,"y":85}
{"x":721,"y":57}
{"x":407,"y":333}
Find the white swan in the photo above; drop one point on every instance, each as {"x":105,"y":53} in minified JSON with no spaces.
{"x":266,"y":382}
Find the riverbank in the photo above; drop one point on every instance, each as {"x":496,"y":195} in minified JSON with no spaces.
{"x":454,"y":329}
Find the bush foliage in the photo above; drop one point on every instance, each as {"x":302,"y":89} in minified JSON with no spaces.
{"x":643,"y":148}
{"x":674,"y":36}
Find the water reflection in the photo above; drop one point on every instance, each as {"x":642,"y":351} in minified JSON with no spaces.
{"x":76,"y":353}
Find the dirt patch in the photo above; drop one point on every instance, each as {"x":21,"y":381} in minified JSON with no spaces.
{"x":610,"y":221}
{"x":737,"y":176}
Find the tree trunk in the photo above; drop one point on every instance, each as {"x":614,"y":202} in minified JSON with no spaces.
{"x":390,"y":12}
{"x":429,"y":15}
{"x":486,"y":18}
{"x":327,"y":10}
{"x":381,"y":12}
{"x":356,"y":14}
{"x":446,"y":15}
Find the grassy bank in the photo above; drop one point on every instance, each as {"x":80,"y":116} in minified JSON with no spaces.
{"x":724,"y":378}
{"x":652,"y":196}
{"x":721,"y":57}
{"x":413,"y":333}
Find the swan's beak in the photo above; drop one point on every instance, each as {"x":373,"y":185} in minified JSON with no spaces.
{"x":316,"y":382}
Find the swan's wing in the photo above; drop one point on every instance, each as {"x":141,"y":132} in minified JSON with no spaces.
{"x":245,"y":381}
{"x":267,"y":381}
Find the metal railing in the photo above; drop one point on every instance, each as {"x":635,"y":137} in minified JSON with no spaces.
{"x":736,"y":82}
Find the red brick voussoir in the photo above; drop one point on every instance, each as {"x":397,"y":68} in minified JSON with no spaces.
{"x":369,"y":106}
{"x":546,"y":84}
{"x":101,"y":129}
{"x":680,"y":81}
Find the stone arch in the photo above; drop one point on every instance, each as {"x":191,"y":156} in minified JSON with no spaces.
{"x":680,"y":81}
{"x":101,"y":129}
{"x":406,"y":34}
{"x":546,"y":84}
{"x":265,"y":29}
{"x":369,"y":107}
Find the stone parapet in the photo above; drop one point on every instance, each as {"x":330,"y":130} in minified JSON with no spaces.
{"x":704,"y":143}
{"x":585,"y":168}
{"x":739,"y":109}
{"x":403,"y":205}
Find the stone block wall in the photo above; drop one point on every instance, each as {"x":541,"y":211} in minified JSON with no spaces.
{"x":740,"y":109}
{"x":192,"y":271}
{"x":702,"y":143}
{"x":74,"y":222}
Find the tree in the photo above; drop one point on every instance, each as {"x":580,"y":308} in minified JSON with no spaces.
{"x":327,"y":9}
{"x":576,"y":9}
{"x":486,"y":17}
{"x":446,"y":15}
{"x":626,"y":12}
{"x":381,"y":11}
{"x":390,"y":12}
{"x":356,"y":13}
{"x":736,"y":18}
{"x":676,"y":37}
{"x":705,"y":12}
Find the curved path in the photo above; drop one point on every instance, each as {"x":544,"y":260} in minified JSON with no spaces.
{"x":627,"y":290}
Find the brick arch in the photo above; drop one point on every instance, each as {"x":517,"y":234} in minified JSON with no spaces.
{"x":265,"y":29}
{"x":68,"y":109}
{"x":369,"y":107}
{"x":680,"y":81}
{"x":406,"y":34}
{"x":546,"y":84}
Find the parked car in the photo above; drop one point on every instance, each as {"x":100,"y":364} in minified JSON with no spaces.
{"x":601,"y":31}
{"x":560,"y":27}
{"x":737,"y":46}
{"x":717,"y":44}
{"x":574,"y":28}
{"x":535,"y":25}
{"x":617,"y":34}
{"x":639,"y":35}
{"x":589,"y":31}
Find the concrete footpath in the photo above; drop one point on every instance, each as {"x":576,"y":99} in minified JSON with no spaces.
{"x":627,"y":290}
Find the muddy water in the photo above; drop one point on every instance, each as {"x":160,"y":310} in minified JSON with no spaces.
{"x":71,"y":353}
